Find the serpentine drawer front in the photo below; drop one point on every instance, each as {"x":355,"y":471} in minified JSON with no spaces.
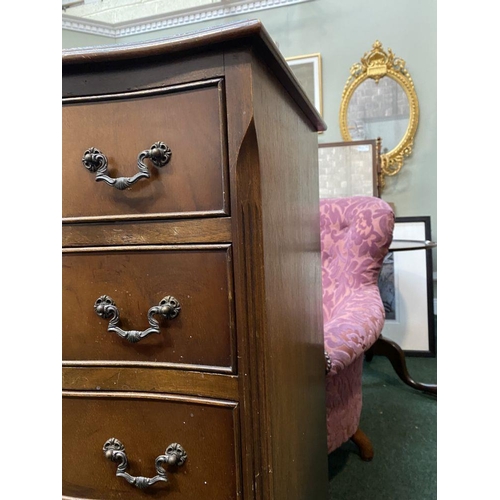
{"x":196,"y":329}
{"x":180,"y":132}
{"x":147,"y":426}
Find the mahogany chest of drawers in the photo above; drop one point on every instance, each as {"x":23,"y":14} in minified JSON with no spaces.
{"x":192,"y":327}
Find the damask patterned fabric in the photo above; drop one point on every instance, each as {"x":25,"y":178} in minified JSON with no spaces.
{"x":343,"y":404}
{"x":355,"y":236}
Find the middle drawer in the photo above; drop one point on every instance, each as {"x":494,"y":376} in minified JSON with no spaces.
{"x":201,"y":336}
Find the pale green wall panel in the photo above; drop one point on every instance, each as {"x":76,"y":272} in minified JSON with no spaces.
{"x":72,"y":39}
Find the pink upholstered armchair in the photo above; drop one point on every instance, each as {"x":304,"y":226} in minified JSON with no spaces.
{"x":355,"y":236}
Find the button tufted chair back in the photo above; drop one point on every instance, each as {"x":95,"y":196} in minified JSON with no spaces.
{"x":355,"y":236}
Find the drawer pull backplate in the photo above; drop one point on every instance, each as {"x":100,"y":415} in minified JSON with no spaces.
{"x":97,"y":162}
{"x":169,"y":307}
{"x":114,"y":450}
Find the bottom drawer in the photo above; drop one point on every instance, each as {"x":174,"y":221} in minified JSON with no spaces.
{"x":146,"y":425}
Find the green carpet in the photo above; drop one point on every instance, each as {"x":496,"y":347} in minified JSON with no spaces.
{"x":401,"y":423}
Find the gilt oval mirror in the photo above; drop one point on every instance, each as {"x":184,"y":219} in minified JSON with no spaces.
{"x":379,"y":101}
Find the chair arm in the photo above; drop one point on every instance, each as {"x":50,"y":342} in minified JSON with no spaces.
{"x":354,"y":327}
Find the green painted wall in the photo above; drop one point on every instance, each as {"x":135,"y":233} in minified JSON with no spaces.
{"x":72,"y":39}
{"x":342,"y":31}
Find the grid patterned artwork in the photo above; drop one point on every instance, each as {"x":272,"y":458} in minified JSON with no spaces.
{"x":347,"y":169}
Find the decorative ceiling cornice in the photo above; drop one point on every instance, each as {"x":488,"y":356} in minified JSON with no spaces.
{"x":165,"y":21}
{"x":85,"y":26}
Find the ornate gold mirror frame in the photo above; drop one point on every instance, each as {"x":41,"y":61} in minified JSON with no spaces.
{"x":377,"y":64}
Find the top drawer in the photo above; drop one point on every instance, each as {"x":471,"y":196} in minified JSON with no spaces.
{"x":189,"y":119}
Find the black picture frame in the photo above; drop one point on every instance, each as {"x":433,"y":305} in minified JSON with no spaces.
{"x":400,"y":298}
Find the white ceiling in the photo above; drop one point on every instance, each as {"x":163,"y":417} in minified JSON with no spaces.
{"x":117,"y":11}
{"x":120,"y":18}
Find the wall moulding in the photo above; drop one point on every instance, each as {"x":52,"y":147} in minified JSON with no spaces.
{"x":165,"y":21}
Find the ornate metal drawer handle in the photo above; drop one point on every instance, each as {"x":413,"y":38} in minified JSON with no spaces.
{"x":169,"y":307}
{"x":95,"y":161}
{"x":115,"y":451}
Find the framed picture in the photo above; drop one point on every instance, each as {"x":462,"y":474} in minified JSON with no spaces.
{"x":348,"y":169}
{"x":307,"y":70}
{"x":405,"y":285}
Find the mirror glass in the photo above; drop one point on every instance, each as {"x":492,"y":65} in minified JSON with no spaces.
{"x":379,"y":110}
{"x":379,"y":101}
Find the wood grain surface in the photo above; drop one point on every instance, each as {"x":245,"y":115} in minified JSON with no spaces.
{"x":190,"y":121}
{"x":137,"y":278}
{"x":293,"y":340}
{"x":118,"y":378}
{"x":216,"y":230}
{"x":146,"y":425}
